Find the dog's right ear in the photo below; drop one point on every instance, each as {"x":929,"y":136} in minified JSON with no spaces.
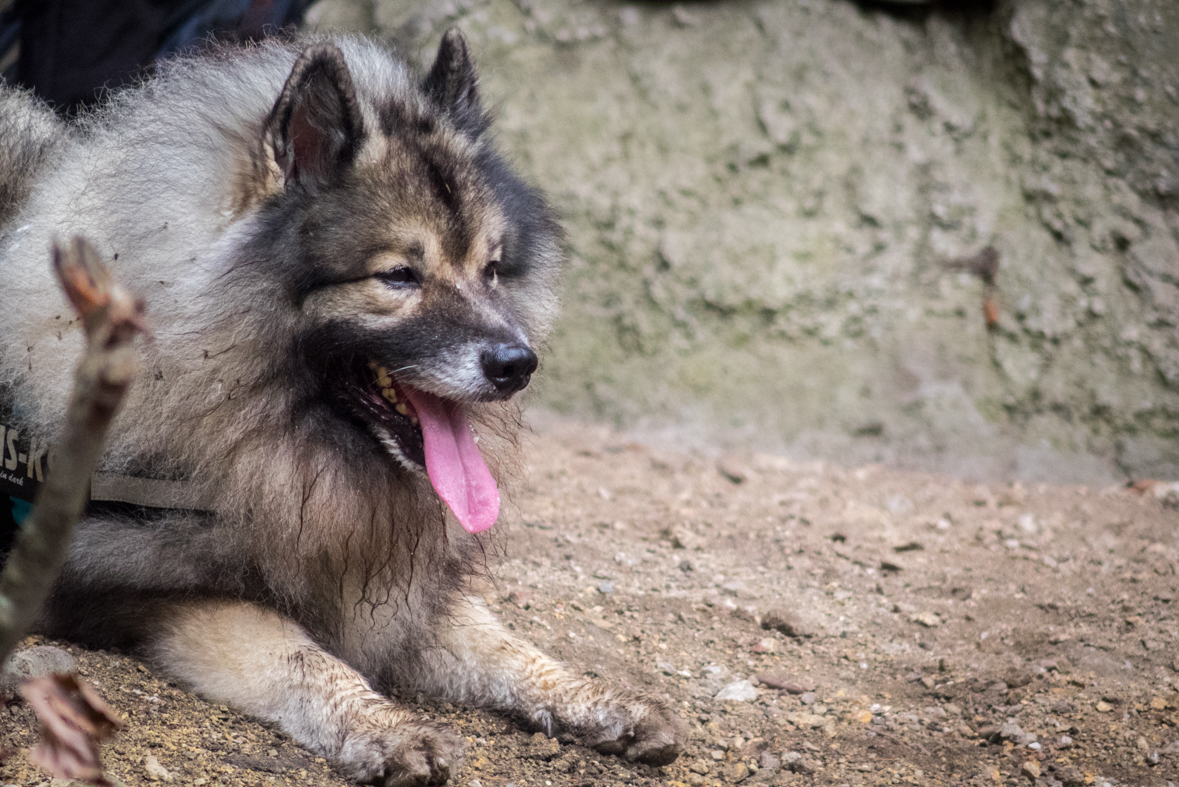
{"x":315,"y":128}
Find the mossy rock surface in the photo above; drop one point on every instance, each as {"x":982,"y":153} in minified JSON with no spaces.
{"x":762,"y":198}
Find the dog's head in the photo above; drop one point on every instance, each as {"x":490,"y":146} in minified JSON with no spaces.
{"x":424,"y":269}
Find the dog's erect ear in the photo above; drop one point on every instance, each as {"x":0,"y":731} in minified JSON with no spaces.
{"x":315,"y":128}
{"x":453,"y":85}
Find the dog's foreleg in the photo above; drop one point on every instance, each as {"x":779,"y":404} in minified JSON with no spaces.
{"x":268,"y":666}
{"x":475,"y":659}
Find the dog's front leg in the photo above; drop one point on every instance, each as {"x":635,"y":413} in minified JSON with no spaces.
{"x":475,"y":659}
{"x":268,"y":666}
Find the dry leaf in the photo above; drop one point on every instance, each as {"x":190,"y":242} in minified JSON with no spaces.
{"x":75,"y":720}
{"x":990,"y":309}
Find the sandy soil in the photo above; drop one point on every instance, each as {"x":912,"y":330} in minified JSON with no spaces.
{"x":893,"y":628}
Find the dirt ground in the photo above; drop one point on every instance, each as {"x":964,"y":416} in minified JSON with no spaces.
{"x":875,"y":627}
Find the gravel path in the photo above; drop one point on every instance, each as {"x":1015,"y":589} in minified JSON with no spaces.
{"x":868,"y":626}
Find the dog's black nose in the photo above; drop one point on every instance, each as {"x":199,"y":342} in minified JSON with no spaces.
{"x":508,"y":366}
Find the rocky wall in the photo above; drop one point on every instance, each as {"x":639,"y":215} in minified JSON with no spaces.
{"x":776,"y":210}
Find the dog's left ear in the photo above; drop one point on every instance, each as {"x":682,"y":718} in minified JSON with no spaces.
{"x":454,"y":86}
{"x":315,"y":128}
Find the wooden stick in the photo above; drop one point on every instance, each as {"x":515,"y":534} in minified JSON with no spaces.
{"x":111,"y":318}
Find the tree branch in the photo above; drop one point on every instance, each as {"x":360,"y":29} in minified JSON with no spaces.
{"x":111,"y":318}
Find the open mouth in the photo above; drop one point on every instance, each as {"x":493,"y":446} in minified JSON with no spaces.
{"x":424,"y":432}
{"x":385,"y":405}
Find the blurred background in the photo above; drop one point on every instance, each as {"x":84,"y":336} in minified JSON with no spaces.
{"x":940,"y":235}
{"x":776,"y":210}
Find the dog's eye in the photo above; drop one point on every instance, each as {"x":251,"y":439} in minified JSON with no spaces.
{"x":400,"y":278}
{"x":491,"y":273}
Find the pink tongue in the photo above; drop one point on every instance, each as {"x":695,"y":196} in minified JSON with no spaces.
{"x":453,"y":462}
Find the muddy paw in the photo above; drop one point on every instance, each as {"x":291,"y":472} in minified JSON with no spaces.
{"x":642,"y":729}
{"x":390,"y":748}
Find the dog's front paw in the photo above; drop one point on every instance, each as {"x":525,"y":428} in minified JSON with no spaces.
{"x":390,"y":747}
{"x":639,"y":728}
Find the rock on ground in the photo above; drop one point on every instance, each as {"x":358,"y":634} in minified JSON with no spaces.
{"x":35,"y":662}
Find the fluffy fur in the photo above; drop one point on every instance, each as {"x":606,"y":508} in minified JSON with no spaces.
{"x":288,"y":212}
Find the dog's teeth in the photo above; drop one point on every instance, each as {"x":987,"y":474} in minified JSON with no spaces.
{"x":389,"y":394}
{"x":401,"y":408}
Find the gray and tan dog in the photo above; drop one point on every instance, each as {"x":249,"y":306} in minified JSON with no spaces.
{"x":342,"y":276}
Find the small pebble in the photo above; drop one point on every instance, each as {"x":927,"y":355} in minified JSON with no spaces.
{"x":786,"y":623}
{"x":733,"y":588}
{"x":989,"y":733}
{"x":155,"y":772}
{"x":731,"y":472}
{"x":797,"y":763}
{"x":785,"y":682}
{"x":927,"y":619}
{"x":32,"y":663}
{"x":736,"y":772}
{"x":1012,"y":732}
{"x":739,"y":691}
{"x":766,"y":645}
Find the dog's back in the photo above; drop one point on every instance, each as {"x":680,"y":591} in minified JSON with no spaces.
{"x":29,"y":136}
